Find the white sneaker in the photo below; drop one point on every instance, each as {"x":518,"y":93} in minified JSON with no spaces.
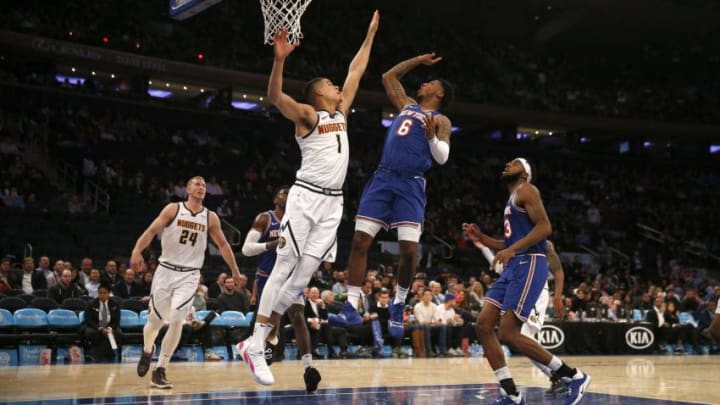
{"x":255,"y":360}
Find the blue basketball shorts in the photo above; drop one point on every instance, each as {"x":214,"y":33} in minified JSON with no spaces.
{"x":520,"y":285}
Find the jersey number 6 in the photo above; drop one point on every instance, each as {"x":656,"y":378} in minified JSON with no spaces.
{"x":405,"y":127}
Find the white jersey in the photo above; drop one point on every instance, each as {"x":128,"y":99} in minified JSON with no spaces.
{"x":184,"y":240}
{"x":325,"y":151}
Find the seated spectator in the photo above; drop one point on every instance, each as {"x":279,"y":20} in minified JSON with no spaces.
{"x":66,"y":288}
{"x":681,"y":333}
{"x":424,"y":313}
{"x":380,"y":310}
{"x":231,"y":299}
{"x":28,"y":272}
{"x":201,"y":296}
{"x":704,"y":317}
{"x":93,"y":283}
{"x":316,"y":316}
{"x":450,"y":325}
{"x":242,"y":287}
{"x":128,"y":287}
{"x":146,"y":283}
{"x":43,"y":271}
{"x":102,"y":317}
{"x":217,"y":287}
{"x":110,"y":273}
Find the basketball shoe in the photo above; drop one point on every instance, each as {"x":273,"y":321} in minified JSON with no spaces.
{"x":255,"y":360}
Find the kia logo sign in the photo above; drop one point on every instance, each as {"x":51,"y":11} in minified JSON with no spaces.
{"x":639,"y":337}
{"x":551,"y":337}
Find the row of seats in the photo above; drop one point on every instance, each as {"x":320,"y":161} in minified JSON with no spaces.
{"x":37,"y":319}
{"x":685,"y":318}
{"x":14,"y":303}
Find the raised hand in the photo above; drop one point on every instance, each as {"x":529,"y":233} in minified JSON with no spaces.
{"x":374,"y":22}
{"x":429,"y":59}
{"x":430,"y":128}
{"x":473,"y":231}
{"x":281,"y":46}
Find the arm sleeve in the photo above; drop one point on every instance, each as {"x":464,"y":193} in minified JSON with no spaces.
{"x":252,"y":247}
{"x":440,"y":150}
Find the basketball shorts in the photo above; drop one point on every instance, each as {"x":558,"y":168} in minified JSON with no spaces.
{"x":536,"y":320}
{"x":173,"y":291}
{"x":309,"y":226}
{"x":392,"y":199}
{"x":519,"y":286}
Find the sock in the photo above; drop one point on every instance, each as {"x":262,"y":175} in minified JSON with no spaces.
{"x":353,"y":296}
{"x":260,"y":334}
{"x":307,"y":360}
{"x":401,"y":296}
{"x":169,"y":343}
{"x":561,"y":369}
{"x":545,"y":369}
{"x":506,"y":382}
{"x":150,"y":332}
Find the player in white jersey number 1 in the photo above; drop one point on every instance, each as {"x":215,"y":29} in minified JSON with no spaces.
{"x":314,"y":207}
{"x":185,"y":229}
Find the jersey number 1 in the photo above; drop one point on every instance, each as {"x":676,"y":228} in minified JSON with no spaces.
{"x":188,"y":236}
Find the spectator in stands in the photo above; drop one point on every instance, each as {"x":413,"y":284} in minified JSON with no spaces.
{"x":316,"y":315}
{"x":380,"y":310}
{"x":66,"y":288}
{"x":86,"y":264}
{"x":643,"y":303}
{"x":691,"y":302}
{"x":340,"y":288}
{"x":242,"y":287}
{"x":436,"y":289}
{"x":704,"y":317}
{"x":93,"y":284}
{"x":128,"y":287}
{"x":332,"y":306}
{"x":231,"y":299}
{"x":450,"y":325}
{"x":475,"y":298}
{"x":26,"y":282}
{"x":53,"y":278}
{"x":43,"y":271}
{"x":102,"y":317}
{"x":5,"y":265}
{"x":110,"y":274}
{"x":146,"y":283}
{"x":213,"y":187}
{"x":367,"y":300}
{"x":424,"y":313}
{"x":14,"y":200}
{"x":681,"y":333}
{"x":217,"y":287}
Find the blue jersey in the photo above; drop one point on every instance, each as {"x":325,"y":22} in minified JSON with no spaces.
{"x":406,"y":150}
{"x":266,"y":260}
{"x":517,"y":224}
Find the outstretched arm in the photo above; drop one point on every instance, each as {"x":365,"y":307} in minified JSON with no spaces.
{"x":391,"y":78}
{"x":559,"y":276}
{"x":358,"y":66}
{"x":252,"y":245}
{"x":303,"y":115}
{"x":218,"y":237}
{"x":166,"y":216}
{"x":437,"y":132}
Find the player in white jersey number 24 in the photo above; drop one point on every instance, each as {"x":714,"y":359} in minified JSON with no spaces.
{"x":185,"y":228}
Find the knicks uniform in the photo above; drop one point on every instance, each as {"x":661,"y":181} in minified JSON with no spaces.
{"x":525,"y":275}
{"x":184,"y":241}
{"x":315,"y":201}
{"x":395,"y":195}
{"x":266,"y":259}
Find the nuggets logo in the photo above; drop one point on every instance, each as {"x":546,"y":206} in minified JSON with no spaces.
{"x":282,"y":242}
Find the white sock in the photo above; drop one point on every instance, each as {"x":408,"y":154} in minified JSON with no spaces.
{"x":502,"y":373}
{"x":260,"y":334}
{"x":307,"y":360}
{"x":555,"y":364}
{"x":353,"y":296}
{"x":401,"y":295}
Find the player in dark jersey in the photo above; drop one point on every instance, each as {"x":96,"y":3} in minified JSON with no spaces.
{"x":514,"y":294}
{"x":261,"y":241}
{"x":395,"y":195}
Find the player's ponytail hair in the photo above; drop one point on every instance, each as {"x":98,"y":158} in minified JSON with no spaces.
{"x":448,"y":93}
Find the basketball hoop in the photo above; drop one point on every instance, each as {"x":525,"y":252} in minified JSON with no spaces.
{"x":283,"y":14}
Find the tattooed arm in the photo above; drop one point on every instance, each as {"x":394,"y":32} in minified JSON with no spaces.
{"x":391,"y":78}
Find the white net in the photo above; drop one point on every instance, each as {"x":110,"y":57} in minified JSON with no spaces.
{"x":283,"y":14}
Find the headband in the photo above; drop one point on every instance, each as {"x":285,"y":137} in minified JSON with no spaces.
{"x":527,"y":168}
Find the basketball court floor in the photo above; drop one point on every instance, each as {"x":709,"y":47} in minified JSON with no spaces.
{"x":626,"y":380}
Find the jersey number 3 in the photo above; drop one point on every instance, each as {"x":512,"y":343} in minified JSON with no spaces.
{"x":188,"y":236}
{"x":405,"y":127}
{"x":508,"y":230}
